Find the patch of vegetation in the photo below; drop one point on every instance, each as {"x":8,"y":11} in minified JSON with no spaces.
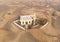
{"x":42,"y":21}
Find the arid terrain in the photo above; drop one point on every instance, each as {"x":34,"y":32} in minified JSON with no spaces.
{"x":11,"y":10}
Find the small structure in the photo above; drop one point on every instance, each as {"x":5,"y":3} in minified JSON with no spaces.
{"x":27,"y":19}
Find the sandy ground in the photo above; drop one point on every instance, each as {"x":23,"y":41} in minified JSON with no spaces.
{"x":11,"y":11}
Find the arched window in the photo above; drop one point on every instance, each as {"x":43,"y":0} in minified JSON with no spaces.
{"x":23,"y":22}
{"x":26,"y":22}
{"x":29,"y":21}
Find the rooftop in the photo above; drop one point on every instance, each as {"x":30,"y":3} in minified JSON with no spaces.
{"x":25,"y":18}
